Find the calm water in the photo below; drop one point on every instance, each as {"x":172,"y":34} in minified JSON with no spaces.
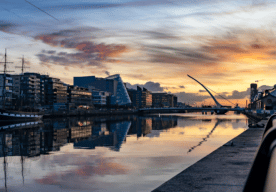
{"x":109,"y":154}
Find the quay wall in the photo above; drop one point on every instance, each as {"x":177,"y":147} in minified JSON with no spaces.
{"x":225,"y":169}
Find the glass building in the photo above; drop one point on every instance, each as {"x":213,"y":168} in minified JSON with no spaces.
{"x":121,"y":94}
{"x":112,"y":84}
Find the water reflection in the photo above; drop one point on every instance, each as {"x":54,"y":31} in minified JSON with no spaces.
{"x":205,"y":138}
{"x":87,"y":154}
{"x":51,"y":135}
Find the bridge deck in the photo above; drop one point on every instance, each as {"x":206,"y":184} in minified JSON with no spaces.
{"x":225,"y":169}
{"x":190,"y":109}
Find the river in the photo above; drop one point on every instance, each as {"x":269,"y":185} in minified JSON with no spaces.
{"x":124,"y":153}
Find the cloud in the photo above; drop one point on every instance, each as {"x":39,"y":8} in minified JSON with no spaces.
{"x":217,"y":55}
{"x":190,"y":98}
{"x":193,"y":98}
{"x":184,"y":56}
{"x":84,"y":6}
{"x":6,"y":26}
{"x":201,"y":91}
{"x":264,"y":87}
{"x":238,"y":94}
{"x":181,"y":86}
{"x":160,"y":34}
{"x":137,"y":76}
{"x":68,"y":59}
{"x":151,"y":86}
{"x":110,"y":5}
{"x":139,"y":3}
{"x":87,"y":53}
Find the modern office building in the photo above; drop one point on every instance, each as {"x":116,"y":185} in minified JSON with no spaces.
{"x":134,"y":97}
{"x":55,"y":91}
{"x":102,"y":84}
{"x":16,"y":85}
{"x":140,"y":98}
{"x":30,"y":89}
{"x":79,"y":96}
{"x":122,"y":97}
{"x":112,"y":84}
{"x":99,"y":98}
{"x":164,"y":100}
{"x":146,"y":97}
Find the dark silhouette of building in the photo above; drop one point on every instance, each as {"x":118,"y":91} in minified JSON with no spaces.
{"x":140,"y":98}
{"x":79,"y":95}
{"x":6,"y":88}
{"x":164,"y":100}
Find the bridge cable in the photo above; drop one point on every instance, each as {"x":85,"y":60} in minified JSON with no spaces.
{"x":220,"y":95}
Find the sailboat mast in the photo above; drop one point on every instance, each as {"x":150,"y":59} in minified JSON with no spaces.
{"x":4,"y":83}
{"x":4,"y":80}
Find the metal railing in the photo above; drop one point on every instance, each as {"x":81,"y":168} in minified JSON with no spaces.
{"x":262,"y":176}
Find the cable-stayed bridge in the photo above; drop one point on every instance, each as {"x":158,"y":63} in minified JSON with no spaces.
{"x":188,"y":109}
{"x":218,"y":109}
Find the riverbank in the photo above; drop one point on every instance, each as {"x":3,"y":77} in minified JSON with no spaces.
{"x":225,"y":169}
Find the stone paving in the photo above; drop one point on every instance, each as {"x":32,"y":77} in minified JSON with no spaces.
{"x":223,"y":170}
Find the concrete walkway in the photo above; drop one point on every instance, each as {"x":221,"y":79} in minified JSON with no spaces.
{"x":225,"y":169}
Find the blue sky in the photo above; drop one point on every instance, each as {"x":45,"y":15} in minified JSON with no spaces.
{"x":225,"y":44}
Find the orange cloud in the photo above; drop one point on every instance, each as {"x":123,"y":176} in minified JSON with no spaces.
{"x":87,"y":53}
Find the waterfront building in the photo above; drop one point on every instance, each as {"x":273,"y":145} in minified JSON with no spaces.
{"x":146,"y":98}
{"x":30,"y":89}
{"x":99,"y":98}
{"x":174,"y":100}
{"x":6,"y":87}
{"x":265,"y":100}
{"x":112,"y":84}
{"x":16,"y":85}
{"x":134,"y":97}
{"x":164,"y":100}
{"x":180,"y":104}
{"x":253,"y":94}
{"x":102,"y":84}
{"x":79,"y":96}
{"x":122,"y":97}
{"x":111,"y":101}
{"x":253,"y":91}
{"x":33,"y":90}
{"x":140,"y":98}
{"x":55,"y":91}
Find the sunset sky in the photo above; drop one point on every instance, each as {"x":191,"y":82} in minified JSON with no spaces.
{"x":153,"y":43}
